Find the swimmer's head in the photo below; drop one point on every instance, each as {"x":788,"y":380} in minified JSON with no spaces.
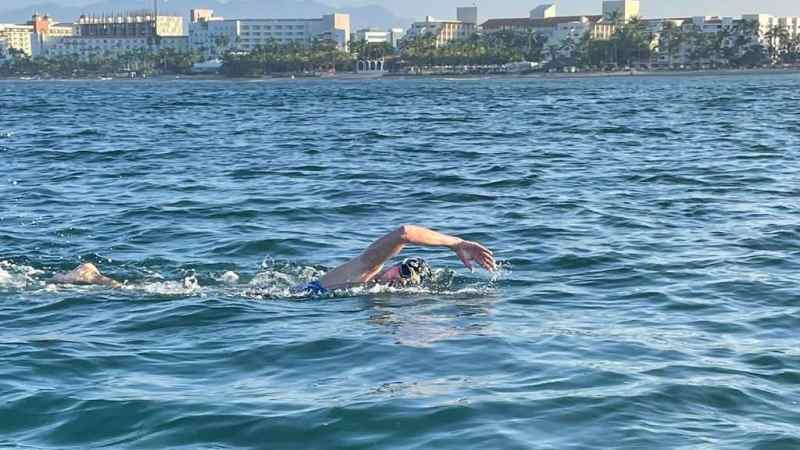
{"x":412,"y":271}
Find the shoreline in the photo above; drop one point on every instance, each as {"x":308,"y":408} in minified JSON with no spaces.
{"x":466,"y":76}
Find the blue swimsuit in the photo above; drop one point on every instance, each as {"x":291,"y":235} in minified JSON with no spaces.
{"x":310,"y":289}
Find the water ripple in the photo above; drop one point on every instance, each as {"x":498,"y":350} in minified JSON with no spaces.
{"x":646,"y":227}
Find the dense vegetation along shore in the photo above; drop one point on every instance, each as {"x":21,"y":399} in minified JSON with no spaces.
{"x":632,"y":47}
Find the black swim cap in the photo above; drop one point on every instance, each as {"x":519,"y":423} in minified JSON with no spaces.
{"x":418,"y":266}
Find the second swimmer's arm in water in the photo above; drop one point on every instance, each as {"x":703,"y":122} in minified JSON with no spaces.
{"x":86,"y":273}
{"x":365,"y":267}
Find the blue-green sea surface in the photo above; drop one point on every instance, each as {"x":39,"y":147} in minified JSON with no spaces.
{"x":648,"y":231}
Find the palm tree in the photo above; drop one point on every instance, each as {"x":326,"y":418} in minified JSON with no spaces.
{"x":791,"y":51}
{"x":568,"y":48}
{"x":552,"y":50}
{"x":775,"y":36}
{"x":665,"y":39}
{"x":616,"y":20}
{"x":719,"y":43}
{"x":583,"y":50}
{"x":358,"y":48}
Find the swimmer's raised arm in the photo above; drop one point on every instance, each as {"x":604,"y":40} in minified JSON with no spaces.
{"x":366,"y":266}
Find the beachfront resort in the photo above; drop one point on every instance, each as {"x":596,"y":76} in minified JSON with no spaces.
{"x":614,"y":38}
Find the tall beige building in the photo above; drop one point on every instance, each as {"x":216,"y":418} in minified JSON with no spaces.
{"x":447,"y":31}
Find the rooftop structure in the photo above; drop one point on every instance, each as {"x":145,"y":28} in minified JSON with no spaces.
{"x":543,"y":12}
{"x":468,"y":14}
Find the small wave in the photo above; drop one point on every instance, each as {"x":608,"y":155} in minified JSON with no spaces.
{"x":85,"y":132}
{"x":6,"y":134}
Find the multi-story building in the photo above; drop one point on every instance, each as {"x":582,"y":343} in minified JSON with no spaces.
{"x":790,"y":24}
{"x":31,"y":37}
{"x":767,"y":24}
{"x":555,"y":29}
{"x":713,"y":24}
{"x":114,"y":34}
{"x":214,"y":35}
{"x":46,"y":30}
{"x":376,"y":36}
{"x":137,"y":24}
{"x":544,"y":21}
{"x":211,"y":35}
{"x":447,"y":31}
{"x":18,"y":37}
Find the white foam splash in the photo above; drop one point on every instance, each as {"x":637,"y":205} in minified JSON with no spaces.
{"x":188,"y":286}
{"x":17,"y":276}
{"x":229,"y":278}
{"x":275,"y":280}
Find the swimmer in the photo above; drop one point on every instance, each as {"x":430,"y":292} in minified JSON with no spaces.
{"x":365,"y":269}
{"x":86,"y":273}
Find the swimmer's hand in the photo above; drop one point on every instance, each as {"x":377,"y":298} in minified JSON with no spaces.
{"x":470,"y":252}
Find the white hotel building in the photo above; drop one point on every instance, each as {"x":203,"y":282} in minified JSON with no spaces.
{"x":18,"y":37}
{"x":115,"y":34}
{"x":214,"y":35}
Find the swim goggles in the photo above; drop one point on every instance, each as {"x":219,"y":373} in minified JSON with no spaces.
{"x":412,"y":266}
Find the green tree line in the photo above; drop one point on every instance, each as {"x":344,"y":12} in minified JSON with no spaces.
{"x":285,"y":58}
{"x":141,"y":62}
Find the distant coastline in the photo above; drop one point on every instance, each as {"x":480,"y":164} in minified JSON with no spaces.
{"x":466,"y":76}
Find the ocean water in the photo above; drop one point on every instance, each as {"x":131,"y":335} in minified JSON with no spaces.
{"x":648,"y":231}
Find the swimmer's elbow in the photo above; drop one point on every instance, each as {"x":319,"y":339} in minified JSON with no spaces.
{"x":404,"y":233}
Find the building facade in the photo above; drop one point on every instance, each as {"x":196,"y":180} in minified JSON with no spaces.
{"x":555,"y":29}
{"x":18,"y":37}
{"x":115,"y":34}
{"x":733,"y":27}
{"x":376,"y":36}
{"x":447,"y":31}
{"x":45,"y":31}
{"x":213,"y":36}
